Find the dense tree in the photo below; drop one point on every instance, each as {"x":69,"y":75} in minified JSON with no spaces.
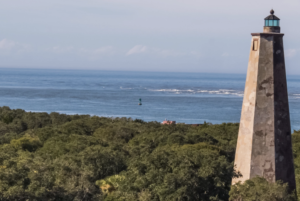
{"x":79,"y":157}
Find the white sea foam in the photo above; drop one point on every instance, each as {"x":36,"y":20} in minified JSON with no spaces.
{"x":125,"y":88}
{"x":190,"y":91}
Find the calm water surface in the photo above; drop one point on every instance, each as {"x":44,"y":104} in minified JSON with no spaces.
{"x":184,"y":97}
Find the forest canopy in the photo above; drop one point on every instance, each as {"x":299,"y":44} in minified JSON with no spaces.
{"x":80,"y":157}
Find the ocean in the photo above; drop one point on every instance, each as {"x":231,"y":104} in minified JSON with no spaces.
{"x":190,"y":98}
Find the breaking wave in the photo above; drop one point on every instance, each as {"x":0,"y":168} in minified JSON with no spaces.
{"x":196,"y":91}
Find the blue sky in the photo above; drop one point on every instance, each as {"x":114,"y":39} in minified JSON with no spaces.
{"x":145,"y":35}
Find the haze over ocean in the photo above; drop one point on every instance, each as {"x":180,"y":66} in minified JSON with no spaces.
{"x":184,"y":97}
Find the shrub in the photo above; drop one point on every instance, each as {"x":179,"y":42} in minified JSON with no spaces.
{"x":259,"y":189}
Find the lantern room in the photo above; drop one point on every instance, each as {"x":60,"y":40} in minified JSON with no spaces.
{"x":272,"y":20}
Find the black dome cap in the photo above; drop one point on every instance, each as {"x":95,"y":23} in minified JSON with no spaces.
{"x":272,"y":16}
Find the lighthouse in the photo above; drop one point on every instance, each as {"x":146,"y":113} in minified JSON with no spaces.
{"x":264,"y":146}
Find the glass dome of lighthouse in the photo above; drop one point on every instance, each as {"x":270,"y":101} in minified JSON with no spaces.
{"x":272,"y":20}
{"x":272,"y":23}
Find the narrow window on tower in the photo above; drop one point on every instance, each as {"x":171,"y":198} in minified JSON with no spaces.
{"x":255,"y":45}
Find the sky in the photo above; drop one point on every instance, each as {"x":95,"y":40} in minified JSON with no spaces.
{"x":207,"y":36}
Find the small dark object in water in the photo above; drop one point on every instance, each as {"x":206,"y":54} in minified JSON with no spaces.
{"x":140,"y":103}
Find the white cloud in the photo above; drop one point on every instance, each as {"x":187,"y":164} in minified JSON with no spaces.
{"x":104,"y":50}
{"x":225,"y":54}
{"x":99,"y":52}
{"x":197,"y":54}
{"x":291,"y":52}
{"x":137,"y":49}
{"x":168,"y":52}
{"x":83,"y":52}
{"x":9,"y":46}
{"x":59,"y":49}
{"x":6,"y":44}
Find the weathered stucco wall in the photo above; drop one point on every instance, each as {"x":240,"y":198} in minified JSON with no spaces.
{"x":244,"y":145}
{"x":264,"y":142}
{"x":263,"y":150}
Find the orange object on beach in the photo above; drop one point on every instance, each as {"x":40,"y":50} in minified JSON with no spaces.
{"x":168,"y":122}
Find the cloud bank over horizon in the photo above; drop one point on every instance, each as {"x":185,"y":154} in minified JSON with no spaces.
{"x":128,"y":35}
